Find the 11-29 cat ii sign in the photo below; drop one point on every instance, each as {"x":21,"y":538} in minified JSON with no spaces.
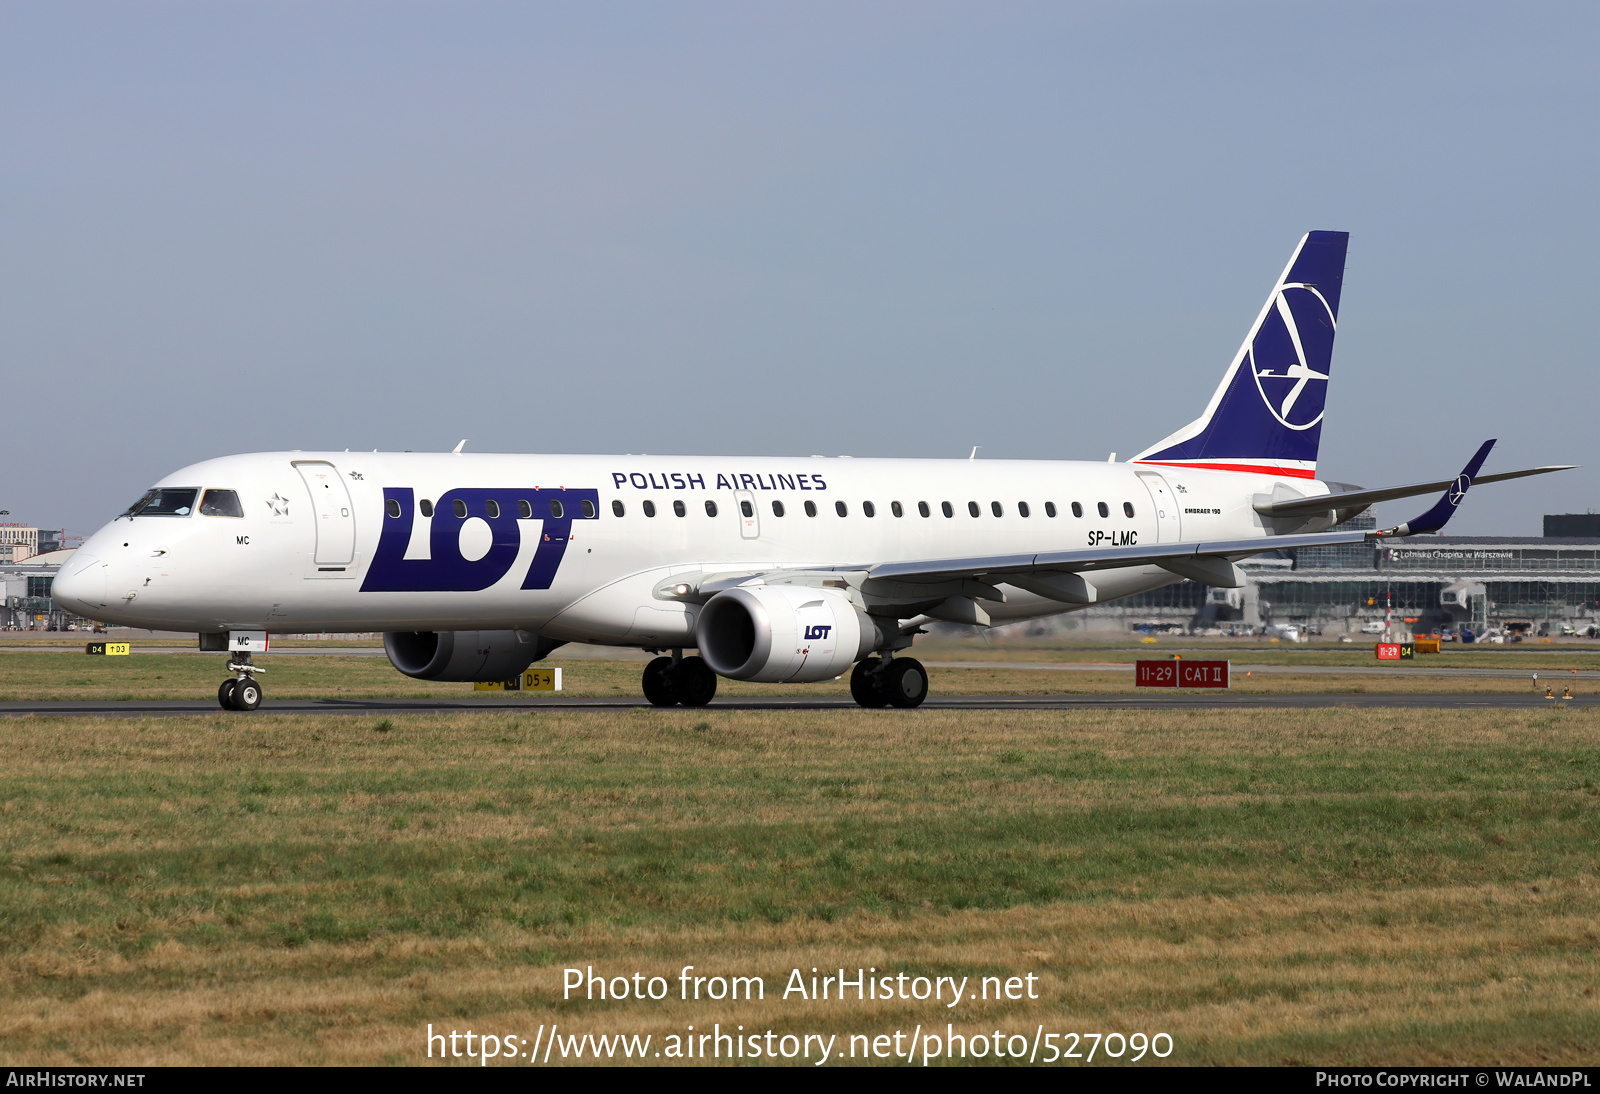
{"x":1180,"y":674}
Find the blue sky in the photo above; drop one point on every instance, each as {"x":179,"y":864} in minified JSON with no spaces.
{"x":865,"y":228}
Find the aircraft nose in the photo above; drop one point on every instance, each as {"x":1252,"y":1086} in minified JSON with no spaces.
{"x":80,"y":587}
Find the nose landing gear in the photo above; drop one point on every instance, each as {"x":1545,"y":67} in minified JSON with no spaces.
{"x":240,"y":691}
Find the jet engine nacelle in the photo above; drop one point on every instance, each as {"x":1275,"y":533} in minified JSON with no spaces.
{"x":783,"y":633}
{"x":464,"y":655}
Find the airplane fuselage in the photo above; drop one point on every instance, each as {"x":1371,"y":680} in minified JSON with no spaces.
{"x":567,"y":546}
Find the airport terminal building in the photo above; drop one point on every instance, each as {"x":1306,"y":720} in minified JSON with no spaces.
{"x":1550,"y":582}
{"x":26,"y":604}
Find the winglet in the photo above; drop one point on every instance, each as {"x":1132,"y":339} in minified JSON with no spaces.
{"x":1445,"y":508}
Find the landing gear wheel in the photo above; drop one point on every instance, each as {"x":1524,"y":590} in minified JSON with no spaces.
{"x":658,"y":683}
{"x":225,"y":693}
{"x":904,"y":682}
{"x":865,"y":686}
{"x":246,"y":694}
{"x":693,"y":682}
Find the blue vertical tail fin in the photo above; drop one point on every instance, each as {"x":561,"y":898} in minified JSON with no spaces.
{"x":1266,"y":416}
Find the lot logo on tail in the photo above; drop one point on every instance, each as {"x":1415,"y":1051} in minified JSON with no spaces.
{"x":1265,"y":416}
{"x":1277,"y":355}
{"x":447,"y":568}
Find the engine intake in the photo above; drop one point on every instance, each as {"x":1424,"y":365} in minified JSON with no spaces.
{"x":783,"y":633}
{"x":465,"y":655}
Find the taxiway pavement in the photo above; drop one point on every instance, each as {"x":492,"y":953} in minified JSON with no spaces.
{"x":177,"y":708}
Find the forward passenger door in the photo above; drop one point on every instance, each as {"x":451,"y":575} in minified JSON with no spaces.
{"x":333,"y":510}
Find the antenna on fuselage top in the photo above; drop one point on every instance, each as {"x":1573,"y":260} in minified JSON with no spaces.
{"x":456,"y":451}
{"x":974,"y":451}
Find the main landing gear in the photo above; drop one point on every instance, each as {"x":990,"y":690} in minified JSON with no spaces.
{"x":669,"y":681}
{"x":889,"y":682}
{"x":240,"y":691}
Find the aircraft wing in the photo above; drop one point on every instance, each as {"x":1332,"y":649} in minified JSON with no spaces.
{"x":1049,"y":573}
{"x":1105,"y":558}
{"x":949,"y":588}
{"x":1360,"y":499}
{"x":1057,"y":574}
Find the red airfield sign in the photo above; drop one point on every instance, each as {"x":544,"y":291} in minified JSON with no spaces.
{"x":1180,"y":674}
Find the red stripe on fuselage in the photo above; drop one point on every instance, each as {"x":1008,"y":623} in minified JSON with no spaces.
{"x":1251,"y":468}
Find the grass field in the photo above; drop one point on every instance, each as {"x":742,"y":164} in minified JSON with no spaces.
{"x":1323,"y":887}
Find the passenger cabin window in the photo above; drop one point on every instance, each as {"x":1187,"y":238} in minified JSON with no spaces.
{"x":711,"y":508}
{"x":894,"y":507}
{"x":777,"y":507}
{"x":586,"y":507}
{"x":996,"y":509}
{"x":460,"y":509}
{"x":163,"y":502}
{"x":868,"y":509}
{"x":811,"y":508}
{"x":1049,"y":508}
{"x":922,"y":507}
{"x":1105,"y":510}
{"x":525,"y":509}
{"x":618,"y":509}
{"x":425,"y":507}
{"x":492,"y":507}
{"x":747,"y":509}
{"x":649,"y":508}
{"x":679,"y":510}
{"x":1127,"y":507}
{"x":972,"y":507}
{"x":557,"y":510}
{"x":392,"y":507}
{"x":947,"y":509}
{"x":225,"y":503}
{"x":1022,"y":509}
{"x":841,"y":508}
{"x":1077,"y":510}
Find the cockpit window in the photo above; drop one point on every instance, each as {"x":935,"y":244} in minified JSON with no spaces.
{"x":221,"y":503}
{"x":165,"y":502}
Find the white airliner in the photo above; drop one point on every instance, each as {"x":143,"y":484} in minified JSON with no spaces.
{"x":778,"y":570}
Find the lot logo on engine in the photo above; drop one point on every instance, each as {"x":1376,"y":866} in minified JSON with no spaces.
{"x":447,"y":569}
{"x":816,"y":634}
